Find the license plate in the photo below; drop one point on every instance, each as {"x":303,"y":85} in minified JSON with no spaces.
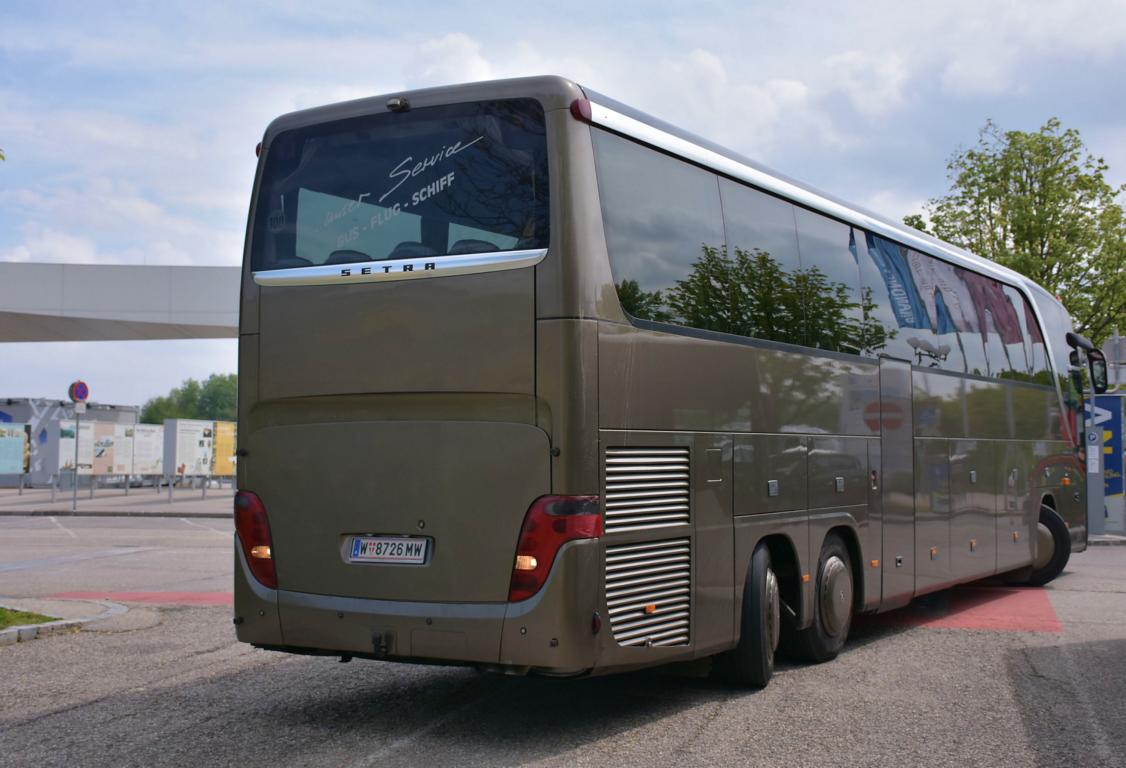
{"x":410,"y":550}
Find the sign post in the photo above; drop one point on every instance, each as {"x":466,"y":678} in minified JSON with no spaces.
{"x":1095,"y":418}
{"x":79,"y":393}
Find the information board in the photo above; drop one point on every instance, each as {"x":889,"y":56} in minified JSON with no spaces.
{"x":148,"y":449}
{"x":123,"y":449}
{"x":85,"y":447}
{"x":223,"y":455}
{"x":14,"y":449}
{"x":102,"y":463}
{"x":188,"y":446}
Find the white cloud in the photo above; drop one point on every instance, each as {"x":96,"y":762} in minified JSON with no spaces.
{"x":452,"y":58}
{"x":894,"y":204}
{"x":873,"y":81}
{"x":55,"y":247}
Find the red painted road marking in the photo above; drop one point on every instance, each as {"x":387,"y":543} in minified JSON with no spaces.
{"x":1006,"y":609}
{"x":163,"y":598}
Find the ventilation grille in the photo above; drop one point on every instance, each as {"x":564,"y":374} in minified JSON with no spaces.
{"x":649,"y":592}
{"x":646,"y":488}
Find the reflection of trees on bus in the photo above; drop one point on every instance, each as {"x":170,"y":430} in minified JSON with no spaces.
{"x":752,"y":295}
{"x":500,"y":183}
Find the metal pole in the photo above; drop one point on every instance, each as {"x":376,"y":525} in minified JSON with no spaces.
{"x":77,"y":432}
{"x":1096,"y":491}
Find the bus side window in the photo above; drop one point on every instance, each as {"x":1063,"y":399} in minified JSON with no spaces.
{"x":829,"y":283}
{"x":1020,"y":353}
{"x":885,"y":290}
{"x":1037,"y":349}
{"x":763,"y":245}
{"x":949,"y":307}
{"x":664,"y":232}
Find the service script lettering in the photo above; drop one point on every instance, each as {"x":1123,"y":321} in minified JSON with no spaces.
{"x":404,"y":170}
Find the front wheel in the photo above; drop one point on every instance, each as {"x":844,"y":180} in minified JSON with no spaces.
{"x":832,"y":604}
{"x":1053,"y":548}
{"x":752,"y":661}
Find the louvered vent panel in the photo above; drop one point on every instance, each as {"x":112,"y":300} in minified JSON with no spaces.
{"x":649,"y":592}
{"x":646,"y":488}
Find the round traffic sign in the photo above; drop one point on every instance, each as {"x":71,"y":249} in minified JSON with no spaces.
{"x":79,"y":392}
{"x":890,"y":413}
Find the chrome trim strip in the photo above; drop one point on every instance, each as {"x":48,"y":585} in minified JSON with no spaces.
{"x":401,"y":269}
{"x":648,"y":134}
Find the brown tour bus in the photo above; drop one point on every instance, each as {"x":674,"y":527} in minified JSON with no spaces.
{"x":531,"y":381}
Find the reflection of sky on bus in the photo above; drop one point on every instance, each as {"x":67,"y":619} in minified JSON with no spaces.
{"x":130,"y":136}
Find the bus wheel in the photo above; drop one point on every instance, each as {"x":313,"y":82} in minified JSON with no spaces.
{"x":1053,"y":548}
{"x":832,"y":604}
{"x":752,"y":661}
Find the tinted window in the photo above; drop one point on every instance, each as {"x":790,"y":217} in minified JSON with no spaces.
{"x":829,"y":283}
{"x":1020,"y":354}
{"x":881,"y":331}
{"x":463,"y":178}
{"x":949,"y":306}
{"x":897,"y":301}
{"x":999,"y":335}
{"x":763,"y":247}
{"x":1039,"y":365}
{"x":664,"y":231}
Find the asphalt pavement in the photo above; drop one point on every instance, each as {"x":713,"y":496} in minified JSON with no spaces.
{"x":972,"y":677}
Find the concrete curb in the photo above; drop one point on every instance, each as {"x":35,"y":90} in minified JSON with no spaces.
{"x":27,"y":632}
{"x":111,"y":513}
{"x":1107,"y":540}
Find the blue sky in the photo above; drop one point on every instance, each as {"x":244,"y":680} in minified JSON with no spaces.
{"x":130,"y":127}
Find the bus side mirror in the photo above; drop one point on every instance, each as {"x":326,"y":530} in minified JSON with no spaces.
{"x":1096,"y":361}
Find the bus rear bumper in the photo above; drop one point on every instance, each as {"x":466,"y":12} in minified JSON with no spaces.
{"x":550,"y":633}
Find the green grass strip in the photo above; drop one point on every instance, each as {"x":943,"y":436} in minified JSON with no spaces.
{"x":10,"y":618}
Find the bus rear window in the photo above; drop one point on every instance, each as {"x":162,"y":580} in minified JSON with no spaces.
{"x":435,"y":181}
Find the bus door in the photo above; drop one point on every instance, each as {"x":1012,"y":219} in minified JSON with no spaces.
{"x":897,"y":483}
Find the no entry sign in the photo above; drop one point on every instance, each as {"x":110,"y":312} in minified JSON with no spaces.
{"x":891,"y":414}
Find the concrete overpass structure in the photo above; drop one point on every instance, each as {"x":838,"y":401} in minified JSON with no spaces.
{"x":101,"y":302}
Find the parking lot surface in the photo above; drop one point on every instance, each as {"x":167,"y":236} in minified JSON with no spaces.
{"x":982,"y":676}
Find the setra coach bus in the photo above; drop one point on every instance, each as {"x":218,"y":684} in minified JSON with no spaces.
{"x":531,"y":381}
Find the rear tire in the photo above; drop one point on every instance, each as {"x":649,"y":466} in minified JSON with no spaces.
{"x":752,"y":661}
{"x":1051,"y":531}
{"x":832,"y":605}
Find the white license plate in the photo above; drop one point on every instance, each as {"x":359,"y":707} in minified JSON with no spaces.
{"x":389,"y":549}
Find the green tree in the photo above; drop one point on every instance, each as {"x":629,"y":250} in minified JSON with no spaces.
{"x":213,"y":400}
{"x":752,"y":295}
{"x":1038,"y":203}
{"x":644,"y":305}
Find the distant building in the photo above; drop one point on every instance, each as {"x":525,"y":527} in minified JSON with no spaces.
{"x":44,"y":416}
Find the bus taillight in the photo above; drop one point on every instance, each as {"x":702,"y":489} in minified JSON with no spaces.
{"x":550,"y":522}
{"x":253,"y":529}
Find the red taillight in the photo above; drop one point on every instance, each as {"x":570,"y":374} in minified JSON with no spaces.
{"x":580,"y":110}
{"x":258,"y":150}
{"x":253,"y":529}
{"x":551,"y":521}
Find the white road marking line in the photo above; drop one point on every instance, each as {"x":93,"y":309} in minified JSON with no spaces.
{"x":63,"y":528}
{"x":205,"y":527}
